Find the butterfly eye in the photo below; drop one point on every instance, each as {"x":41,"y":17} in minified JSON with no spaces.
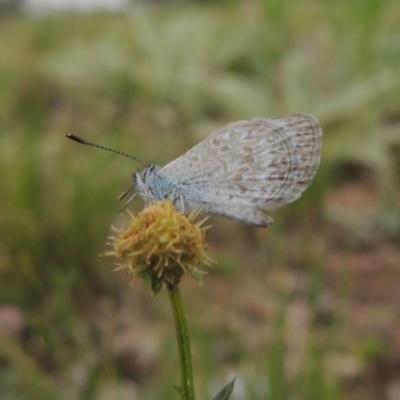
{"x":144,"y":174}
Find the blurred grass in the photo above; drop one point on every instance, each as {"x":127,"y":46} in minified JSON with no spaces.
{"x":153,"y":82}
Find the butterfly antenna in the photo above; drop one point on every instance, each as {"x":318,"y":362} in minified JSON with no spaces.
{"x":79,"y":140}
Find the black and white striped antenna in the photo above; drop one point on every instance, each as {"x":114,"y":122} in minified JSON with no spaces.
{"x":79,"y":140}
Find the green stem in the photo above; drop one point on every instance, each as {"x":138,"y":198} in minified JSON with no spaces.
{"x":182,"y":334}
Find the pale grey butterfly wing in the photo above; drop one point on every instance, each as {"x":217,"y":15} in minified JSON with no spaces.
{"x":250,"y":165}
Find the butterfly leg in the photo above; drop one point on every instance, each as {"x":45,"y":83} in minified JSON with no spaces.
{"x":147,"y":200}
{"x":182,"y":203}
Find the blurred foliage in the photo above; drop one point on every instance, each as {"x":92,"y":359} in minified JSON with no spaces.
{"x":153,"y":82}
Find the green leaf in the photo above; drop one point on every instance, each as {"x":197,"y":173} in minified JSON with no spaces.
{"x":226,"y":392}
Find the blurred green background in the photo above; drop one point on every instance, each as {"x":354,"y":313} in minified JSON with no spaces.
{"x":307,"y":309}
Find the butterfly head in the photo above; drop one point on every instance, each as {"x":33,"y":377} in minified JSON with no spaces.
{"x":142,"y":181}
{"x":143,"y":178}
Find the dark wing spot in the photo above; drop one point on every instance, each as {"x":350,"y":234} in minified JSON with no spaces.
{"x":247,"y":149}
{"x":242,"y":188}
{"x":243,"y":170}
{"x":216,"y":142}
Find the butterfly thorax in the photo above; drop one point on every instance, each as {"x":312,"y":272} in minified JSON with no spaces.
{"x":153,"y":186}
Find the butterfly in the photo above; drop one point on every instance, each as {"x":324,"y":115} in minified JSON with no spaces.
{"x":238,"y":171}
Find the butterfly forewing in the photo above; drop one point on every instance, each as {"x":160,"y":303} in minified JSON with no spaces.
{"x":261,"y":163}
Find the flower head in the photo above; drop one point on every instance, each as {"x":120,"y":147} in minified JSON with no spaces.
{"x":160,"y":245}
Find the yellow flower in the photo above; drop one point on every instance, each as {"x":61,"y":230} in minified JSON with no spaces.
{"x":160,"y":245}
